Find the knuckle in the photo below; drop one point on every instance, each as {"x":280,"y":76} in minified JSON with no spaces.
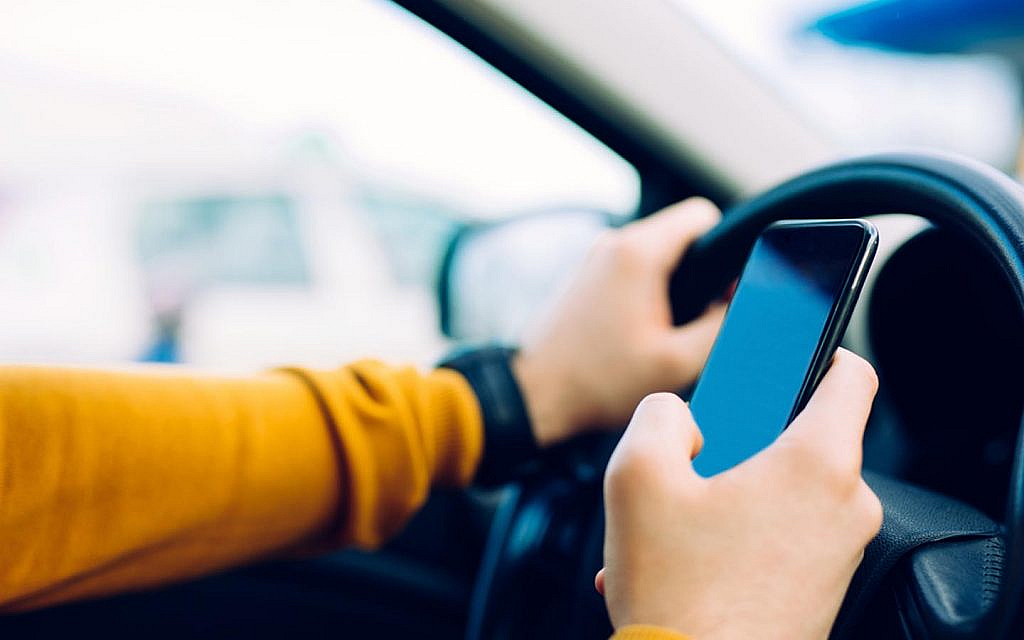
{"x":835,"y":472}
{"x":841,"y":474}
{"x":615,"y":478}
{"x":623,"y":247}
{"x":796,"y":456}
{"x":802,"y":456}
{"x":634,"y":469}
{"x":871,"y":511}
{"x":627,"y":463}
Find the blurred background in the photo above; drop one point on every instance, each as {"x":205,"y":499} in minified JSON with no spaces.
{"x":242,"y":184}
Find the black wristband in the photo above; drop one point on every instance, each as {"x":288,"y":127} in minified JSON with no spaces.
{"x":510,"y":448}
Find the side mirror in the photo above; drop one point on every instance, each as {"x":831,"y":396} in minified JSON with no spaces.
{"x":495,"y":278}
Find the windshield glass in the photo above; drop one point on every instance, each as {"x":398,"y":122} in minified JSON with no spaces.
{"x":871,"y":96}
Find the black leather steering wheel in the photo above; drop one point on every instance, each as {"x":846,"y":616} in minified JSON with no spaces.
{"x":938,"y":569}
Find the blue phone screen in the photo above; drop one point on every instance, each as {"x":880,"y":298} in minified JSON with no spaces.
{"x":752,"y":380}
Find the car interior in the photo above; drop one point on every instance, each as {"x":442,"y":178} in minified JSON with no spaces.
{"x":940,"y":320}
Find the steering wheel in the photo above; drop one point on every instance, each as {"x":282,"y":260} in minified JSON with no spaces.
{"x":939,"y":568}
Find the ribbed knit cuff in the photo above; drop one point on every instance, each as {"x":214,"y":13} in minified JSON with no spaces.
{"x":647,"y":632}
{"x":458,"y":432}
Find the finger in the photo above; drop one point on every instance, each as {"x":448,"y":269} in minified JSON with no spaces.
{"x":690,"y":344}
{"x":835,"y":417}
{"x":667,"y":234}
{"x":662,"y":427}
{"x":599,"y":581}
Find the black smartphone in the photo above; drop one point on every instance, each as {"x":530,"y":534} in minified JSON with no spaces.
{"x":790,"y":310}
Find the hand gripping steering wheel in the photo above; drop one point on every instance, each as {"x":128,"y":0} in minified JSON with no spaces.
{"x":939,"y":569}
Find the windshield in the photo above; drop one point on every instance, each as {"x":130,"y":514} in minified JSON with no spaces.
{"x":872,"y":98}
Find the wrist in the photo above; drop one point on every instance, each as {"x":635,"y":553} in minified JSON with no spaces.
{"x":545,"y":399}
{"x":510,"y":446}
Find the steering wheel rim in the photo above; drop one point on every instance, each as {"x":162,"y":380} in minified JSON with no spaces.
{"x":974,"y":201}
{"x":953,"y":192}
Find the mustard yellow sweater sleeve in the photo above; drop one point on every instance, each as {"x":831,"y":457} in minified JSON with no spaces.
{"x":644,"y":632}
{"x":111,"y":481}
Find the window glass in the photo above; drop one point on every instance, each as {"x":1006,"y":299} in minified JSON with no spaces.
{"x":879,"y":89}
{"x":240,"y":184}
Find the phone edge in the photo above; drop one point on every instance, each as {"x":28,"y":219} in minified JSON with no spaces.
{"x":839,"y":319}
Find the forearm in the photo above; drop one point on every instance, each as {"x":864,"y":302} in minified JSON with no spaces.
{"x":115,"y":481}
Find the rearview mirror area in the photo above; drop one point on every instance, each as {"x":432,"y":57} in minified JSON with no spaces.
{"x":496,"y":278}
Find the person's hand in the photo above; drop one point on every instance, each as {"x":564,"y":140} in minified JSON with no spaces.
{"x":764,"y":550}
{"x":610,"y":340}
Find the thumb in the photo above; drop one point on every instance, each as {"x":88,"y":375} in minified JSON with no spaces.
{"x":690,"y":344}
{"x":663,"y":429}
{"x":668,"y":233}
{"x":834,"y":419}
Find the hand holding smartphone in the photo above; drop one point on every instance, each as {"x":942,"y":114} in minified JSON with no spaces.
{"x":791,"y":308}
